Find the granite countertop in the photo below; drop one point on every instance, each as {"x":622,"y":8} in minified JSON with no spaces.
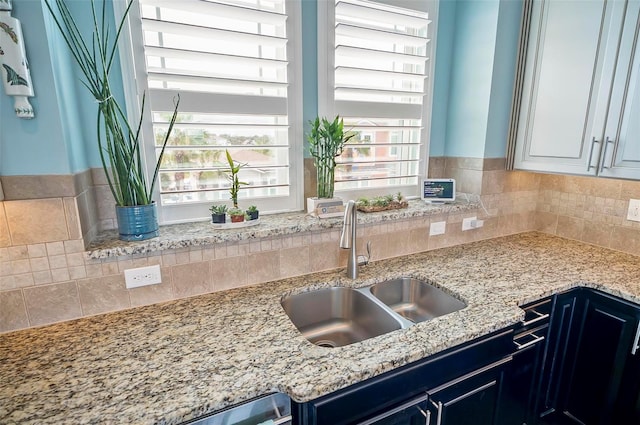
{"x":175,"y":361}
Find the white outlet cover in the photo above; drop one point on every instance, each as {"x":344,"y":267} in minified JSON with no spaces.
{"x":633,"y":213}
{"x":437,"y":228}
{"x":142,"y":276}
{"x":468,"y":223}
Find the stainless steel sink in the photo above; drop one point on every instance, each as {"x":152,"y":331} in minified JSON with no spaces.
{"x":416,"y":300}
{"x":334,"y":317}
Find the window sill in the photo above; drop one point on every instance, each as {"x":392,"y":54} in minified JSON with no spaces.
{"x":202,"y":233}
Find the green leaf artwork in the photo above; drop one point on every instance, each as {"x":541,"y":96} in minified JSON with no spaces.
{"x":6,"y":28}
{"x":14,"y":78}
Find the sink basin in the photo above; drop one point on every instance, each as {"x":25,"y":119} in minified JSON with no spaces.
{"x":334,"y":317}
{"x":416,"y":300}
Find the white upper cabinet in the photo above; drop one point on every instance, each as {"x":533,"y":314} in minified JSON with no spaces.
{"x":621,"y":151}
{"x":578,"y":80}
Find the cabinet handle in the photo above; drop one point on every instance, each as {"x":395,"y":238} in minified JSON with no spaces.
{"x":636,"y":345}
{"x":604,"y":153}
{"x":536,"y":319}
{"x":593,"y":142}
{"x":438,"y":407}
{"x":411,"y":403}
{"x":283,"y":420}
{"x":534,"y":341}
{"x":427,"y":415}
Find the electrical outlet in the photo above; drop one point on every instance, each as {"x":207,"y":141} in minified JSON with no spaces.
{"x":471,"y":223}
{"x":437,"y":228}
{"x":142,"y":276}
{"x":633,"y":213}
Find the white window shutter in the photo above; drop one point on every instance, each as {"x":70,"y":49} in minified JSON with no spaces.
{"x":379,"y":76}
{"x":234,"y":65}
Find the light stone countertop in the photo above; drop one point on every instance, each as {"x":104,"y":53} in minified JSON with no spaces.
{"x":184,"y":235}
{"x":175,"y":361}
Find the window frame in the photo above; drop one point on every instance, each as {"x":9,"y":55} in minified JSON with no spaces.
{"x":135,"y":84}
{"x":326,"y":85}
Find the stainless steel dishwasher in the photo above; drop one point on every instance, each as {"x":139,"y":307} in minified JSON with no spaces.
{"x":273,"y":409}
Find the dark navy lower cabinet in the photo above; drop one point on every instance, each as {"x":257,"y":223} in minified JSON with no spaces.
{"x":435,"y":390}
{"x":601,"y":386}
{"x":555,"y":363}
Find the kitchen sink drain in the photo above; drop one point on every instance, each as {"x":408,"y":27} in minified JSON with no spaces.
{"x":326,"y":343}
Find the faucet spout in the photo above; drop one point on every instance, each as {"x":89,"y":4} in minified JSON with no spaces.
{"x":348,"y":238}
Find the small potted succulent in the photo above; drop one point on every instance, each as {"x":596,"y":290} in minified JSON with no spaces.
{"x":237,"y":215}
{"x":218,"y":214}
{"x":382,"y":203}
{"x":252,"y":212}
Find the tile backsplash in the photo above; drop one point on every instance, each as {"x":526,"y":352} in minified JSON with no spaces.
{"x":46,"y":278}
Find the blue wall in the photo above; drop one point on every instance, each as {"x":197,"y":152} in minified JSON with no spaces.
{"x":34,"y":146}
{"x":481,"y":77}
{"x":473,"y":79}
{"x":61,"y":139}
{"x":504,"y":69}
{"x":442,"y":72}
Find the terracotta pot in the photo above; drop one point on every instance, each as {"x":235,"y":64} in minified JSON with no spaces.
{"x":237,"y":218}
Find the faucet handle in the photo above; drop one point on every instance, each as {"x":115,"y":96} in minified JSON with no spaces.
{"x":363,"y":260}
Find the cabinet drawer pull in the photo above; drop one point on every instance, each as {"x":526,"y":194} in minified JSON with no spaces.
{"x":411,"y":403}
{"x":427,"y":415}
{"x":636,"y":344}
{"x":535,"y":319}
{"x":438,"y":407}
{"x":593,"y":142}
{"x":283,"y":420}
{"x":604,"y":153}
{"x":536,"y":339}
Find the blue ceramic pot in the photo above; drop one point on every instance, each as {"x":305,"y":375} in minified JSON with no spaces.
{"x":137,"y":223}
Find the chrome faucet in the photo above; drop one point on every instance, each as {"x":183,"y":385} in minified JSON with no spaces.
{"x":348,"y":241}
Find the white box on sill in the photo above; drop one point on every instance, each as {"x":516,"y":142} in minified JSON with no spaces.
{"x":325,"y":207}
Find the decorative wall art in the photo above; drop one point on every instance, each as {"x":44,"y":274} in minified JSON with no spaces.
{"x":15,"y":68}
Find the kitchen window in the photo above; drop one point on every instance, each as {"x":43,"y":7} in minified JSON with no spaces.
{"x":374,"y":70}
{"x":235,"y":65}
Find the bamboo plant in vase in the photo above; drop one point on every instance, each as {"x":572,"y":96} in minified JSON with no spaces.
{"x":326,"y":142}
{"x":119,"y":141}
{"x":234,"y":170}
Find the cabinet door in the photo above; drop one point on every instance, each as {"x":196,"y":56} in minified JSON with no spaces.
{"x":621,"y":152}
{"x":471,"y":399}
{"x":569,"y":67}
{"x":604,"y":344}
{"x":522,"y":381}
{"x":555,"y":364}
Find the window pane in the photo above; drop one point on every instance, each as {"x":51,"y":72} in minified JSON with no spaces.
{"x":233,"y":55}
{"x":381,"y":65}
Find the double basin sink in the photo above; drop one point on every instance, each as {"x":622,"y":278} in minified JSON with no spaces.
{"x":338,"y":316}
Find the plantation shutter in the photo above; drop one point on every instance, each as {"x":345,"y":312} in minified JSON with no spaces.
{"x":231,"y":62}
{"x":380,"y":72}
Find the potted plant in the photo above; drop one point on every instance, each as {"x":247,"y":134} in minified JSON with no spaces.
{"x":326,"y":142}
{"x":382,"y":203}
{"x":252,"y":212}
{"x":119,"y":141}
{"x":234,"y":169}
{"x":218,"y":214}
{"x":237,"y":215}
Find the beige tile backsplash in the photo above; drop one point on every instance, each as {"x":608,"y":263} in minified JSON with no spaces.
{"x":45,"y":277}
